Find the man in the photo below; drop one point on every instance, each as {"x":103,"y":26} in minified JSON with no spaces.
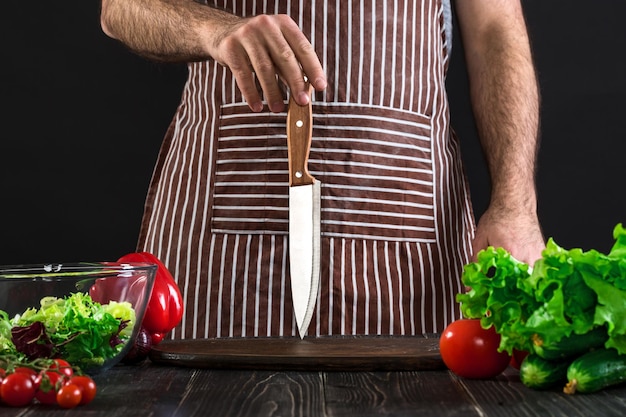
{"x":397,"y":224}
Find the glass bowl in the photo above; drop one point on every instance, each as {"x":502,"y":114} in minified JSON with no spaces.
{"x":88,"y":314}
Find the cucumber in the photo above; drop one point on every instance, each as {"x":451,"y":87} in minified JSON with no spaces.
{"x":571,"y":346}
{"x":596,"y":370}
{"x":538,"y":373}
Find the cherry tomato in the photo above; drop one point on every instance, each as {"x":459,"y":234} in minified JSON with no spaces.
{"x":50,"y":382}
{"x":62,"y":366}
{"x":30,"y":372}
{"x":87,"y":387}
{"x":470,"y":351}
{"x":69,"y":396}
{"x":17,"y":389}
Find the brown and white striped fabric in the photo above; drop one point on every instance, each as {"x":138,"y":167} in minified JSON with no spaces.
{"x":396,"y":215}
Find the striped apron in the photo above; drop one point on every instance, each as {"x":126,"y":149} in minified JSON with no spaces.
{"x":396,"y":215}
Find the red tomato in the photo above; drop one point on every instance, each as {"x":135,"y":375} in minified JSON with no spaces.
{"x":63,"y":367}
{"x":50,"y":382}
{"x":470,"y":351}
{"x":17,"y":389}
{"x":69,"y":396}
{"x":87,"y":388}
{"x":30,"y":372}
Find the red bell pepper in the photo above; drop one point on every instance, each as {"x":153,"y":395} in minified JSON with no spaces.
{"x":165,"y":307}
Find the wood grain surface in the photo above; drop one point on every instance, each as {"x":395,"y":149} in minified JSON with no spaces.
{"x":151,"y":390}
{"x":347,"y":353}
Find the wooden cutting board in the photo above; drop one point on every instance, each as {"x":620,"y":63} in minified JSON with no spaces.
{"x":340,"y":353}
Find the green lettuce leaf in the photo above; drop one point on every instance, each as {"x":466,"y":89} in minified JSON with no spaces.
{"x":83,"y":332}
{"x":499,"y":295}
{"x":566,"y":291}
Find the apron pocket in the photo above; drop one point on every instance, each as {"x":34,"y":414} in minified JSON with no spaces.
{"x":376,"y":169}
{"x":251,"y":192}
{"x":375,"y":166}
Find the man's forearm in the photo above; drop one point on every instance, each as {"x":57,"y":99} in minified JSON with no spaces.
{"x":505,"y":99}
{"x":506,"y":102}
{"x":264,"y":50}
{"x":165,"y":30}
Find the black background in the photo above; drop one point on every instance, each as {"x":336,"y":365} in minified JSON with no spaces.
{"x":82,"y":121}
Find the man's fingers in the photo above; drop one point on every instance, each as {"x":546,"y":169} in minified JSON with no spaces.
{"x":309,"y":63}
{"x":273,"y":50}
{"x":286,"y":63}
{"x":249,"y":91}
{"x":300,"y":60}
{"x":294,"y":58}
{"x":242,"y":70}
{"x":267,"y":73}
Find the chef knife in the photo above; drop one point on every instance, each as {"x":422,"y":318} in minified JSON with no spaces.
{"x":304,"y":215}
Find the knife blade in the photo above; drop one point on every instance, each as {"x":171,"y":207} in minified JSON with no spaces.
{"x":304,"y":215}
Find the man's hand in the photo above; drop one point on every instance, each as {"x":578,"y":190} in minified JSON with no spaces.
{"x":273,"y":48}
{"x":519,"y":234}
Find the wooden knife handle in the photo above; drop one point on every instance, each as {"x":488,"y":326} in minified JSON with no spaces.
{"x":299,"y":132}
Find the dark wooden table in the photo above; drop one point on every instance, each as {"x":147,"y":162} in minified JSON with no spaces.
{"x":154,"y":390}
